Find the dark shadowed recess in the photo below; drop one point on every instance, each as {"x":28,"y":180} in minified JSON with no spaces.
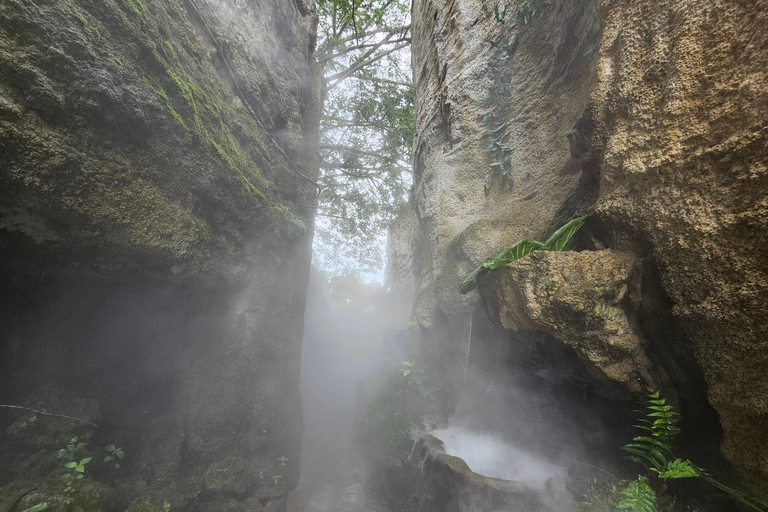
{"x":101,"y":344}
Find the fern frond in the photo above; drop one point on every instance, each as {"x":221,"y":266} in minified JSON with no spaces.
{"x":659,"y":420}
{"x":639,"y":497}
{"x":680,"y":469}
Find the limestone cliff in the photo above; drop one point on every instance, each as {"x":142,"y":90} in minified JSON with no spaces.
{"x":648,"y":114}
{"x":156,"y":215}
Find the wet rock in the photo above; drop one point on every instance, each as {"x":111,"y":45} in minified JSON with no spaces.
{"x":145,"y":263}
{"x":142,"y":505}
{"x":448,"y":484}
{"x":577,"y":298}
{"x":251,"y":505}
{"x":228,"y":476}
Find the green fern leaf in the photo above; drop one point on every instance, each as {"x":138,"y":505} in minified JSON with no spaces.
{"x":639,"y":497}
{"x":679,"y":469}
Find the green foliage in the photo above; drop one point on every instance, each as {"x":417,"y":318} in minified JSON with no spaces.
{"x":283,"y":460}
{"x":77,"y":470}
{"x":292,"y":219}
{"x":378,"y":409}
{"x":366,"y":129}
{"x":37,"y":508}
{"x":403,"y":410}
{"x":559,"y":241}
{"x":276,"y":479}
{"x":680,"y":469}
{"x":653,"y":449}
{"x":115,"y":454}
{"x":526,"y":10}
{"x":166,"y":506}
{"x":74,"y":446}
{"x":415,"y":375}
{"x":639,"y":497}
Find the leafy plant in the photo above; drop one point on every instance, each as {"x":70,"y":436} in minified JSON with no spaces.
{"x":526,"y":10}
{"x":653,"y":449}
{"x":166,"y":506}
{"x":283,"y":460}
{"x":403,"y":411}
{"x":276,"y":478}
{"x":37,"y":508}
{"x":559,"y":241}
{"x":76,"y":473}
{"x":378,"y":409}
{"x":639,"y":497}
{"x":69,"y":452}
{"x":115,"y":454}
{"x":292,"y":219}
{"x":414,"y":375}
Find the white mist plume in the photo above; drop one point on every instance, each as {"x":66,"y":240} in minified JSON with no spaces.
{"x":490,"y":456}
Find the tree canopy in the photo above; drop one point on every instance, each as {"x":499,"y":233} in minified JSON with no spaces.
{"x":366,"y":129}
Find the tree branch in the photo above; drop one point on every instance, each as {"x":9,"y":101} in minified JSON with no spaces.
{"x":403,"y":29}
{"x":363,"y":61}
{"x":48,"y":414}
{"x":359,"y":47}
{"x":381,"y":80}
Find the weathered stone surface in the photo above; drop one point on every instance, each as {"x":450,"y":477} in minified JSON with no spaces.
{"x":458,"y":226}
{"x":664,"y":105}
{"x":680,"y":115}
{"x":575,"y":297}
{"x":402,"y":266}
{"x":447,"y":483}
{"x":146,"y":260}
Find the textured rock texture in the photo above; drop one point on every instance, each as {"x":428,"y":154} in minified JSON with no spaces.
{"x":576,"y":297}
{"x":447,"y":483}
{"x":651,"y":114}
{"x":153,"y":254}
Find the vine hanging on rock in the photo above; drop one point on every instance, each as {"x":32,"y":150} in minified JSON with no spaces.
{"x":495,"y":122}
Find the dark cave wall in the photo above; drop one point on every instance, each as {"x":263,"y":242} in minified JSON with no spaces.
{"x":148,"y":271}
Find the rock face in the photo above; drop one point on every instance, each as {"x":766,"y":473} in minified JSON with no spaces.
{"x":575,"y":297}
{"x":447,"y":483}
{"x":649,"y":114}
{"x":156,"y":208}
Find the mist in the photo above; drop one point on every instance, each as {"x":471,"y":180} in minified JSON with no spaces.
{"x":508,"y":421}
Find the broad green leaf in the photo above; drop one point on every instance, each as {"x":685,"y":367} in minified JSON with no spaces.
{"x":560,"y":239}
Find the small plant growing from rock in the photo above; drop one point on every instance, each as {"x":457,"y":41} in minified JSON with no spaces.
{"x":276,"y":478}
{"x":69,"y":452}
{"x":283,"y":460}
{"x":166,"y":506}
{"x":653,"y":449}
{"x":76,"y":473}
{"x":559,"y":241}
{"x":116,"y":454}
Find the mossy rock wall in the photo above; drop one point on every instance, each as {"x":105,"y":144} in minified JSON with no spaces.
{"x":156,"y":216}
